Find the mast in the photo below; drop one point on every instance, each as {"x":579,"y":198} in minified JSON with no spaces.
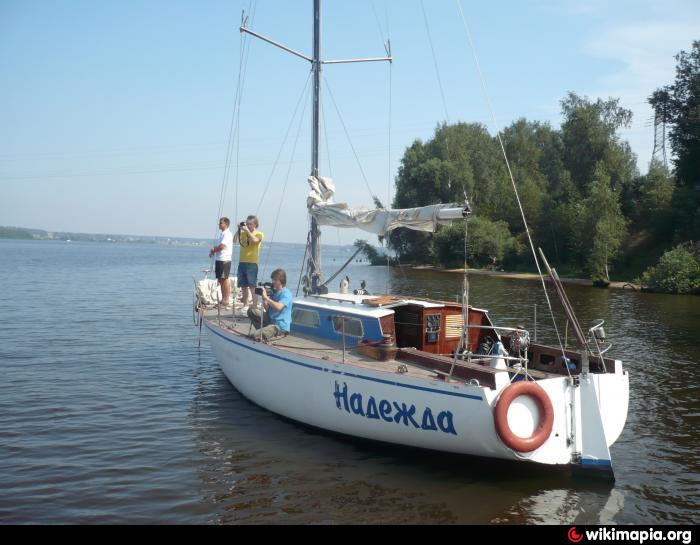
{"x":314,"y":272}
{"x":313,"y":282}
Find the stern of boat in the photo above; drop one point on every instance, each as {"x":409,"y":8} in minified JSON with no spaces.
{"x":588,"y":413}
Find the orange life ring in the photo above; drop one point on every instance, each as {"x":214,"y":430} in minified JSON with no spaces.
{"x":544,"y":427}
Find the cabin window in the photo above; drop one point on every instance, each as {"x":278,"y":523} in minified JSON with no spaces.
{"x":432,"y":328}
{"x":353,"y":326}
{"x":305,"y":317}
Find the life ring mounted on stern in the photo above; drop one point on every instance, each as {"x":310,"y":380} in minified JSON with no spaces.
{"x":544,"y":427}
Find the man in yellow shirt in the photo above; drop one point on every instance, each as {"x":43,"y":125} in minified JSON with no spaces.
{"x":250,"y":240}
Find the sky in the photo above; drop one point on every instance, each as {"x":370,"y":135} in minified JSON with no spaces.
{"x":116,"y":117}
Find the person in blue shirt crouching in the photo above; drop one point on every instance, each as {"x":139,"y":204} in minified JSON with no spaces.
{"x":276,"y":314}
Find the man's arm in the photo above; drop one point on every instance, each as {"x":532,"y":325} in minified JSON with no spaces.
{"x":216,"y":249}
{"x":272,"y":303}
{"x":253,"y":238}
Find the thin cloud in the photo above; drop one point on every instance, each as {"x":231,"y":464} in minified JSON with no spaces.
{"x":645,"y":51}
{"x":645,"y":54}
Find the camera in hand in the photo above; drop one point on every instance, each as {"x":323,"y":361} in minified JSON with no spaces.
{"x":267,"y":286}
{"x":242,"y":224}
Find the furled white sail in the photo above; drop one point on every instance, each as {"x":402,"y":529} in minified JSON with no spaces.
{"x":378,"y":221}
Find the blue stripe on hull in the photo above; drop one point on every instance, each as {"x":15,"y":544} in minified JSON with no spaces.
{"x":597,"y":463}
{"x":352,"y":375}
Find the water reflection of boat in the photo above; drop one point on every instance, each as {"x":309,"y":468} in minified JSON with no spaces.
{"x":565,"y":506}
{"x":421,"y":372}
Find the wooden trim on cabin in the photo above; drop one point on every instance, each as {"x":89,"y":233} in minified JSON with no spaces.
{"x":463,"y":370}
{"x":387,"y":325}
{"x":441,"y":365}
{"x":548,"y":359}
{"x":379,"y":301}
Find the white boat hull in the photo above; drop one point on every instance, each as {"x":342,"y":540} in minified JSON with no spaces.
{"x":395,"y":408}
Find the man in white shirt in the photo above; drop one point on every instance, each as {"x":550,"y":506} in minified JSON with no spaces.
{"x":223,"y":252}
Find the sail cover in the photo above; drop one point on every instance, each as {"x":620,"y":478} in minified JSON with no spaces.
{"x":377,"y":221}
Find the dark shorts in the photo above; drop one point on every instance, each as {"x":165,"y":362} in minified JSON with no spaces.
{"x":223,"y":269}
{"x":247,"y":274}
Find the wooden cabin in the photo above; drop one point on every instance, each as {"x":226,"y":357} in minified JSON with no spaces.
{"x":422,"y":332}
{"x":429,"y":326}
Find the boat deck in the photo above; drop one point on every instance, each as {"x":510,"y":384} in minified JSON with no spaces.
{"x":308,"y":347}
{"x":408,"y":361}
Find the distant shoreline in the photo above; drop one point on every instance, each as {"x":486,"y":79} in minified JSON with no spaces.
{"x":527,"y":276}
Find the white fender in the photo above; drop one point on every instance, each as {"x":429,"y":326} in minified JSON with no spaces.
{"x":497,"y":362}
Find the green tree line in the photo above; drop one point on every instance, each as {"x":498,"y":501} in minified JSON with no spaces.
{"x":586,"y":203}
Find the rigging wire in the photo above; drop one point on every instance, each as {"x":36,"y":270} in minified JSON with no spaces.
{"x":465,"y":282}
{"x":284,"y":187}
{"x":328,"y":158}
{"x":303,"y":260}
{"x":231,"y":135}
{"x":302,"y":96}
{"x":235,"y":120}
{"x":234,"y":128}
{"x":510,"y":173}
{"x":388,"y":21}
{"x":464,"y":338}
{"x":386,"y":39}
{"x":376,"y":19}
{"x":435,"y":63}
{"x":347,"y":135}
{"x":390,"y":101}
{"x":442,"y":92}
{"x":386,"y":240}
{"x":252,"y":7}
{"x":387,"y":46}
{"x":325,"y":136}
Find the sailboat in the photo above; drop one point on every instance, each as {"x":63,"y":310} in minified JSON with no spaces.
{"x":419,"y":372}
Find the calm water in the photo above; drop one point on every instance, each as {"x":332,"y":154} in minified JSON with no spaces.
{"x":110,"y":413}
